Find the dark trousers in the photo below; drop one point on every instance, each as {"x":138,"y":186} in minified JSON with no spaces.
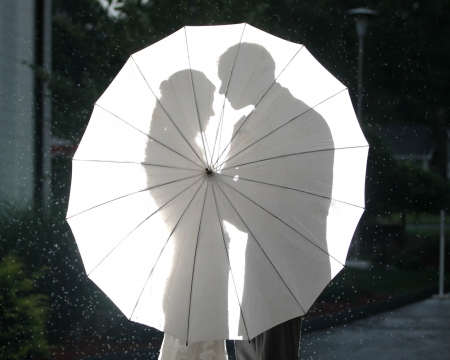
{"x":278,"y":343}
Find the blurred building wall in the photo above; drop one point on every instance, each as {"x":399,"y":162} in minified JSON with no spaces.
{"x":17,"y":28}
{"x":19,"y":104}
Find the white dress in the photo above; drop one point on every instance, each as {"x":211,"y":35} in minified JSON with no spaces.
{"x":175,"y":349}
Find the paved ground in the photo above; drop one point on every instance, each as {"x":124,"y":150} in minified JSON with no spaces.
{"x":420,"y":331}
{"x":417,"y":331}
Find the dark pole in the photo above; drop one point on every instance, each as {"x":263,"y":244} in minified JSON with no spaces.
{"x":42,"y":105}
{"x":38,"y":101}
{"x":362,"y":16}
{"x":360,"y":75}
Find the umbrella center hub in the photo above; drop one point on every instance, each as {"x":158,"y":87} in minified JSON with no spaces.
{"x":209,"y":172}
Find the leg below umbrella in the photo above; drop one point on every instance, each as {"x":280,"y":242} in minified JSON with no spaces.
{"x":280,"y":342}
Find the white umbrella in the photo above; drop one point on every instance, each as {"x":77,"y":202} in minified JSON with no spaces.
{"x":218,"y":184}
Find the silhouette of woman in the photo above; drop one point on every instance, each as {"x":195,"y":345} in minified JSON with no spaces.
{"x":174,"y":107}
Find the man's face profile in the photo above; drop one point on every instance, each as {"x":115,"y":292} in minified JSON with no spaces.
{"x":251,"y":71}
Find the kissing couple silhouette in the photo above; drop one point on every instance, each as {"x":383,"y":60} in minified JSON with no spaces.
{"x":245,"y":71}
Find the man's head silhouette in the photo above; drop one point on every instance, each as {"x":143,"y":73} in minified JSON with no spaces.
{"x":246,"y":71}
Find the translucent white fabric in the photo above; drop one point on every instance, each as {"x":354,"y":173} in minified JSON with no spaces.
{"x":218,"y":184}
{"x":175,"y":349}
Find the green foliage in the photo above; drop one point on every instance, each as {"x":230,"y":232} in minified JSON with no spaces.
{"x":23,"y":313}
{"x":393,"y":187}
{"x":24,"y":235}
{"x":78,"y":306}
{"x":351,"y":283}
{"x":37,"y":243}
{"x":86,"y":56}
{"x":421,"y":250}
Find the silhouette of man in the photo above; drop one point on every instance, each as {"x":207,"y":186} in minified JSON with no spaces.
{"x":252,"y":74}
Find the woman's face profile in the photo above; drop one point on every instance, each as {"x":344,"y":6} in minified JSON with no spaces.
{"x":197,"y":89}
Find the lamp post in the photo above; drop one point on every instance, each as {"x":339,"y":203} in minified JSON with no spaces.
{"x":362,"y":16}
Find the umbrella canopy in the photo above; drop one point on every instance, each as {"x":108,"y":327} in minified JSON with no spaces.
{"x":218,"y":184}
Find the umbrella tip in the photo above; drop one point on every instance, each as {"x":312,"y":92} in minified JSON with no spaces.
{"x":209,"y":172}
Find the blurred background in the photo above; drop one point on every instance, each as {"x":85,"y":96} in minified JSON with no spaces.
{"x":57,"y":57}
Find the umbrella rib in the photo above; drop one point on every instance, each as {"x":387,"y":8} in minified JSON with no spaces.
{"x":219,"y":129}
{"x":296,"y":300}
{"x":302,"y":191}
{"x":164,"y":247}
{"x":240,"y":127}
{"x":193,"y":265}
{"x":173,"y":122}
{"x":285,"y":223}
{"x":133,"y":193}
{"x":226,"y":91}
{"x":279,"y":127}
{"x":148,"y":217}
{"x":295,"y":154}
{"x":136,"y":163}
{"x":229,"y":262}
{"x":145,"y":134}
{"x":206,"y":148}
